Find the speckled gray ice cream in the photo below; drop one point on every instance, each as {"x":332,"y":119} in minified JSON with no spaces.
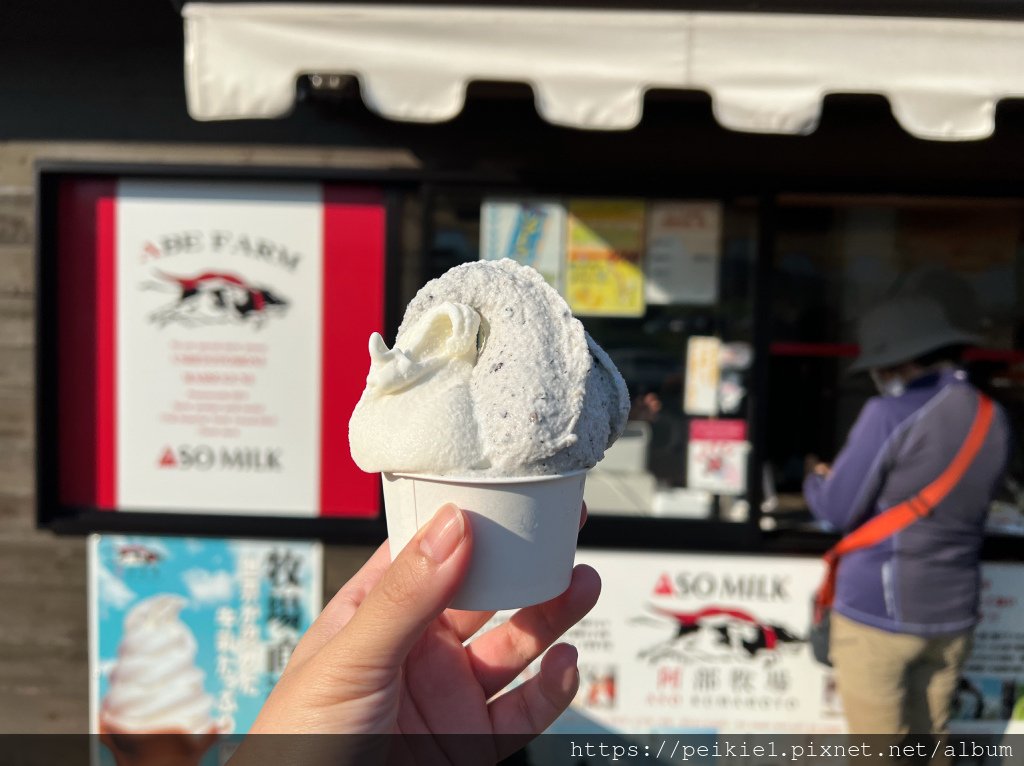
{"x":490,"y":375}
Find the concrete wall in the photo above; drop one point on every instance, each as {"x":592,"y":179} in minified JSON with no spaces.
{"x":43,"y":632}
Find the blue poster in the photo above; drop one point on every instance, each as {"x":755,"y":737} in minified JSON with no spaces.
{"x":529,"y":231}
{"x":189,"y":635}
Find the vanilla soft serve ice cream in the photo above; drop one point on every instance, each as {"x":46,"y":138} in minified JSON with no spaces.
{"x":155,"y":686}
{"x":490,"y":375}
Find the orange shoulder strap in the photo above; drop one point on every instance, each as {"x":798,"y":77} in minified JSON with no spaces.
{"x":901,"y":516}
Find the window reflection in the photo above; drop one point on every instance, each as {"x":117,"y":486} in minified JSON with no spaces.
{"x":834,"y":258}
{"x":648,"y":471}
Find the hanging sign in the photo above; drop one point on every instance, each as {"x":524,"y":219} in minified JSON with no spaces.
{"x":702,"y":376}
{"x":717,"y":456}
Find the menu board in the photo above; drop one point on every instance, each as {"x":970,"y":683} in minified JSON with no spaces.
{"x":220,"y":344}
{"x":211,"y":340}
{"x":201,"y":628}
{"x":604,"y":267}
{"x":684,"y":242}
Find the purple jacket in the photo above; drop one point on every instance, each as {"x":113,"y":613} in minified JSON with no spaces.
{"x":925,"y":579}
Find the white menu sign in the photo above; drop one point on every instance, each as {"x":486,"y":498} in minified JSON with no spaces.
{"x":219,"y":324}
{"x":683,"y":249}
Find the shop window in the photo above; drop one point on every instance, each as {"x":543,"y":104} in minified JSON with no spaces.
{"x":686,"y":450}
{"x":834,"y":258}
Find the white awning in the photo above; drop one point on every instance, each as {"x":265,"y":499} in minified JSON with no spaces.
{"x":589,"y":69}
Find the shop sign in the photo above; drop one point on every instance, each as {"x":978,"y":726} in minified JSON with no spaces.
{"x":604,"y":269}
{"x":694,"y":643}
{"x":717,"y":456}
{"x":683,"y":253}
{"x":689,"y":643}
{"x":531,"y":232}
{"x":213,"y":620}
{"x":228,"y":325}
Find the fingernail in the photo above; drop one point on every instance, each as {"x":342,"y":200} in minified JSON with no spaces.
{"x":444,"y":533}
{"x":570,"y":680}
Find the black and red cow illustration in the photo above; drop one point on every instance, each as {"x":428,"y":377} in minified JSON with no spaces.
{"x":214,"y":297}
{"x":718,"y":632}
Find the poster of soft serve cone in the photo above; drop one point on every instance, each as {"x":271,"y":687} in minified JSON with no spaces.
{"x":189,"y":635}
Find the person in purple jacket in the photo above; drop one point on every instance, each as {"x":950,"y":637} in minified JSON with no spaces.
{"x":905,"y":609}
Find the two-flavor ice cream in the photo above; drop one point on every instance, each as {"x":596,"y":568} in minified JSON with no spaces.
{"x":495,"y":398}
{"x":490,"y":375}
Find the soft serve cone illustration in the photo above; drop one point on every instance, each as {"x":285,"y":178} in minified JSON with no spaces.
{"x":495,"y":398}
{"x":156,"y":689}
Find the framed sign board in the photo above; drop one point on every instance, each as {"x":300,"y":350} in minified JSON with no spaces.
{"x":202,"y":342}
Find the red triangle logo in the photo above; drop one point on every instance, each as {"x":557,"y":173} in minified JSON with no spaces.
{"x":167,"y":460}
{"x":663,"y":586}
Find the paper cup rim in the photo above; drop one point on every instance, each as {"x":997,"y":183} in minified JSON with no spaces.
{"x":484,"y":480}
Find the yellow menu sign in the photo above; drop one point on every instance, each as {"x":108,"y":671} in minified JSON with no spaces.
{"x":604,"y":262}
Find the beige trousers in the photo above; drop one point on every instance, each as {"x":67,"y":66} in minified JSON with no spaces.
{"x":895,"y":683}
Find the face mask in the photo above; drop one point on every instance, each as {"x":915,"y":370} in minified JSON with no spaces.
{"x":892,"y":387}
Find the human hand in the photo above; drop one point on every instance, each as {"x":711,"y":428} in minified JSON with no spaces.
{"x":387,"y":657}
{"x":813,"y":464}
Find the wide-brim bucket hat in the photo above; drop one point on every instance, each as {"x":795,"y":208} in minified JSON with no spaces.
{"x":901,"y":329}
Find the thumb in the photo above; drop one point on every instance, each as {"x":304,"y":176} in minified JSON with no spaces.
{"x":412,"y":592}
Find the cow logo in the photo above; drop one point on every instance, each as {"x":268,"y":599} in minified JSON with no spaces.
{"x":717,"y":634}
{"x":214,"y":298}
{"x":137,"y":556}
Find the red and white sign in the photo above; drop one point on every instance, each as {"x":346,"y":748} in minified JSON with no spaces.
{"x":681,"y":642}
{"x":717,"y":456}
{"x":704,"y":644}
{"x":230,"y":325}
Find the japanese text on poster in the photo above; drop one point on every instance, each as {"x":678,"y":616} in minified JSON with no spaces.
{"x":220,"y":617}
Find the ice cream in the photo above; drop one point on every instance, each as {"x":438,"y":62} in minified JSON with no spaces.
{"x":155,"y":686}
{"x":490,"y":375}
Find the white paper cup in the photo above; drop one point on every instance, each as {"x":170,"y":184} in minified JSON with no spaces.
{"x":524,"y":531}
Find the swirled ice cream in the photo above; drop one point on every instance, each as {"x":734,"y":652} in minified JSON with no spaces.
{"x":155,"y":685}
{"x":490,"y":375}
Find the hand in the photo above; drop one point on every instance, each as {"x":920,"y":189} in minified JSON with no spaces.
{"x":385,"y":656}
{"x":813,"y":464}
